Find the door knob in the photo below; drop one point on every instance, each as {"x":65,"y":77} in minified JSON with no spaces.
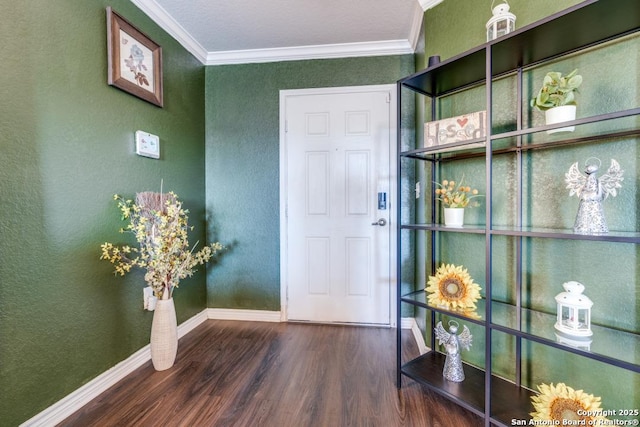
{"x":381,"y":222}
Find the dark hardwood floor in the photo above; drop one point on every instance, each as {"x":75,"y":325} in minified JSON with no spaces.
{"x":232,"y":373}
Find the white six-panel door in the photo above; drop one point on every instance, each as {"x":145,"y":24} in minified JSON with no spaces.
{"x":337,"y":265}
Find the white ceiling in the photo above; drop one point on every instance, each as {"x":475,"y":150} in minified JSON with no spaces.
{"x":244,"y":31}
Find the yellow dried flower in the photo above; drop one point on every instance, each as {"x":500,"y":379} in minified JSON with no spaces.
{"x":453,"y":197}
{"x":164,"y":249}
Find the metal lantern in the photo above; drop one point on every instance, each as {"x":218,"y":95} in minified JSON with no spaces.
{"x":502,"y":22}
{"x":574,"y":311}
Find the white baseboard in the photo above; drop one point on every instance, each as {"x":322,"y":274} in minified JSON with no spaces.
{"x":410,"y":323}
{"x":190,"y":324}
{"x":407,"y":322}
{"x":249,"y":315}
{"x":68,"y":405}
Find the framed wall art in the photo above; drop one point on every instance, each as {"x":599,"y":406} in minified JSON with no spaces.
{"x":134,"y":60}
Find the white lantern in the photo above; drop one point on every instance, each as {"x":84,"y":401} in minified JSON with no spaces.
{"x":502,"y":22}
{"x":574,"y":311}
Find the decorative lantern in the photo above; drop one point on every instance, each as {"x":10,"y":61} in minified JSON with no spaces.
{"x":574,"y":311}
{"x":502,"y":22}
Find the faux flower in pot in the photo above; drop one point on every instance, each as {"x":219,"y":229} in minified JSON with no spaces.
{"x":557,"y":98}
{"x":160,"y":226}
{"x":455,"y":196}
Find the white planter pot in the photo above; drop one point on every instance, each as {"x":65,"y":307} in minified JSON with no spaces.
{"x":453,"y":217}
{"x":164,"y":335}
{"x":560,"y":114}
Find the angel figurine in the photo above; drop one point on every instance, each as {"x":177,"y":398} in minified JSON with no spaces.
{"x":453,"y":363}
{"x":592,"y":191}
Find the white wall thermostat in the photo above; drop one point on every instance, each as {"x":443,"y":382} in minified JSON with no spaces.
{"x":147,"y":144}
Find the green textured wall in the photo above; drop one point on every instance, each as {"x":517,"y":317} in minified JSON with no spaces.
{"x":242,"y":158}
{"x":66,"y":146}
{"x":608,"y":270}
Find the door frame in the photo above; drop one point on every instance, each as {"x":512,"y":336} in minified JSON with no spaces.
{"x":392,"y":199}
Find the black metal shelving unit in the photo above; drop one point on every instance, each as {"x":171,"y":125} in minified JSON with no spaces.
{"x":588,"y":24}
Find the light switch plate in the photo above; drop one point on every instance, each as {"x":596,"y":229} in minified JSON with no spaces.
{"x":147,"y":145}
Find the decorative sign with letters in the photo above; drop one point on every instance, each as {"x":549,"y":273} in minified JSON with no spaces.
{"x":468,"y":127}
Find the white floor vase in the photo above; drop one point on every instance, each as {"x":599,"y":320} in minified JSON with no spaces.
{"x":164,"y":335}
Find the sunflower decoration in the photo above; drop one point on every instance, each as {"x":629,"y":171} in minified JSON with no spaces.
{"x":561,"y":402}
{"x":453,"y":288}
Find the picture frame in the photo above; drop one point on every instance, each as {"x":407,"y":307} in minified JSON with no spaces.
{"x":134,"y":60}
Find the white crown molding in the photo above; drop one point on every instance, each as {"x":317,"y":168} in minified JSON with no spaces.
{"x":428,"y":4}
{"x":160,"y":16}
{"x":346,"y":50}
{"x":416,"y":27}
{"x":297,"y":53}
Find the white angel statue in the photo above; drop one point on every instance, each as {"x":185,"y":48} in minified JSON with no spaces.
{"x":592,"y":191}
{"x":453,"y":363}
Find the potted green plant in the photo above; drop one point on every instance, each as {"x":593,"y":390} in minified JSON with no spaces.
{"x":557,"y":98}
